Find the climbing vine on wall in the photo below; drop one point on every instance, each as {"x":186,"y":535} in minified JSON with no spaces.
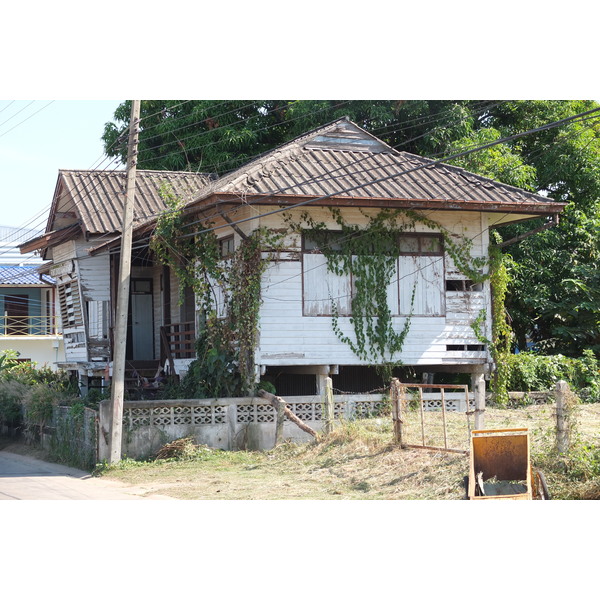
{"x":229,"y":334}
{"x":502,"y":334}
{"x":369,"y":253}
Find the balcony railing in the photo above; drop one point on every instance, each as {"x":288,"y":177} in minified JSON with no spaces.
{"x":28,"y":325}
{"x":179,"y":339}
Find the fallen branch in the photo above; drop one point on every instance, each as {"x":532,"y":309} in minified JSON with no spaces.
{"x":276,"y":401}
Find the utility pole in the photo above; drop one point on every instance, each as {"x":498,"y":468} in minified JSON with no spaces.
{"x":120,"y":337}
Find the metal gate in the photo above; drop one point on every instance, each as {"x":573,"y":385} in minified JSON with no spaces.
{"x":417,"y":422}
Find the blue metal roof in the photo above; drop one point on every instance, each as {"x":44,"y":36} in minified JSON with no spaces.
{"x":21,"y":275}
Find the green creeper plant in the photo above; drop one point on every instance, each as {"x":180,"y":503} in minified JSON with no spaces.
{"x":502,"y":335}
{"x":369,"y":253}
{"x":227,"y":339}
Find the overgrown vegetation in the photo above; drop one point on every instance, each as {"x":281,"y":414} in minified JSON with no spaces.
{"x":227,"y":287}
{"x":530,"y":371}
{"x":29,"y":393}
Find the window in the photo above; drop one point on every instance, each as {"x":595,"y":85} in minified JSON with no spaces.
{"x":324,"y":292}
{"x":70,"y":308}
{"x":421,"y":244}
{"x":421,"y":275}
{"x":417,"y":286}
{"x":463,"y":285}
{"x":227,"y":246}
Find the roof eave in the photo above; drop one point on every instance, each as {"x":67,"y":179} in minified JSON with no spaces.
{"x":292,"y":200}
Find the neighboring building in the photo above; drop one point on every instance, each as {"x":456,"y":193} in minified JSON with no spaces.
{"x":337,"y":166}
{"x":28,"y":319}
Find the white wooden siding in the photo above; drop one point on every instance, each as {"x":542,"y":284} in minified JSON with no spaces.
{"x":289,"y":336}
{"x":324,"y":290}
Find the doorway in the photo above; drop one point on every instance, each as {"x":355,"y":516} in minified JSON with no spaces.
{"x":16,"y":312}
{"x":141,"y":321}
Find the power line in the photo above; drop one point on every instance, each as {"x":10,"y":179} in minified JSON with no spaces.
{"x":27,"y":119}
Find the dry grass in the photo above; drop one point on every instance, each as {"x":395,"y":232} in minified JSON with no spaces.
{"x":359,"y":461}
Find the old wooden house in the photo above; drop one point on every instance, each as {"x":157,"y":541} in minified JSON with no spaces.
{"x":316,"y":192}
{"x":335,"y":181}
{"x":86,"y":211}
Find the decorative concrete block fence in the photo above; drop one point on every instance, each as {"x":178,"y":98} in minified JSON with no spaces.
{"x":235,"y":423}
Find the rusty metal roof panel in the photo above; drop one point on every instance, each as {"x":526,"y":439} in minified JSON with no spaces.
{"x":342,"y":160}
{"x":97,"y":198}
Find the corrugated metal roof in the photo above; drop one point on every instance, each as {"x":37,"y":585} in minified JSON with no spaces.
{"x":97,"y":197}
{"x":344,"y":161}
{"x":18,"y":275}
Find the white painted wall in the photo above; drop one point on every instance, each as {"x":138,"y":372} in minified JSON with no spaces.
{"x":45,"y":350}
{"x":289,"y":338}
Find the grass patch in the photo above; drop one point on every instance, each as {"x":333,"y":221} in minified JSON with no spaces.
{"x":358,"y":461}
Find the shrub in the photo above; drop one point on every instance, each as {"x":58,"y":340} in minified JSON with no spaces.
{"x":11,"y":407}
{"x":530,"y":372}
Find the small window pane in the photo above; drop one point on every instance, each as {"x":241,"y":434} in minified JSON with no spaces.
{"x":319,"y":240}
{"x":409,"y":244}
{"x":431,"y":245}
{"x":227,"y":246}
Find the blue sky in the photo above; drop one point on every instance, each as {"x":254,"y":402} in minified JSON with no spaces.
{"x":37,"y":138}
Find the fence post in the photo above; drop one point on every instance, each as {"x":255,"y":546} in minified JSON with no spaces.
{"x":328,"y":405}
{"x":562,"y":416}
{"x":280,"y":410}
{"x":397,"y":393}
{"x":478,"y":383}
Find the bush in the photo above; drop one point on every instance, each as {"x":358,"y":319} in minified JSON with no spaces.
{"x":11,"y":403}
{"x":28,"y":394}
{"x":530,"y":372}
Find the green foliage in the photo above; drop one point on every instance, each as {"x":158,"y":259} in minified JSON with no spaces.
{"x":8,"y":361}
{"x":583,"y":462}
{"x":528,"y":371}
{"x":214,"y":374}
{"x":11,"y":408}
{"x":28,"y":393}
{"x":502,"y":335}
{"x":226,"y":343}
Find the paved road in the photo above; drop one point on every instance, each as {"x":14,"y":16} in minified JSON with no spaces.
{"x":27,"y":478}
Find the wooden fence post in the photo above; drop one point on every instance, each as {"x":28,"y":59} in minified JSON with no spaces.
{"x":478,"y":383}
{"x":280,"y":416}
{"x":328,"y":405}
{"x":397,"y":394}
{"x":562,"y":417}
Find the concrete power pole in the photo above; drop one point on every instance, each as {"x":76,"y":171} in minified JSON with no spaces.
{"x":120,"y":337}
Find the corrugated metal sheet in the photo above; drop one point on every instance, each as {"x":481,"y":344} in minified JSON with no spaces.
{"x":18,"y":275}
{"x":97,"y":197}
{"x":344,"y":161}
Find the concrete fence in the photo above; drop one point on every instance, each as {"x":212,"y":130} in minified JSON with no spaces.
{"x":236,"y":423}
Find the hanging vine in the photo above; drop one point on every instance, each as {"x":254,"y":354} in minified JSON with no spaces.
{"x":228,"y":336}
{"x":369,"y":254}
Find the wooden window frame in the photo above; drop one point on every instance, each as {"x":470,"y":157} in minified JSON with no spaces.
{"x":225,"y":241}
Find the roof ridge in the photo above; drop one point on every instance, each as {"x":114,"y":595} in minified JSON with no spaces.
{"x":138,"y":171}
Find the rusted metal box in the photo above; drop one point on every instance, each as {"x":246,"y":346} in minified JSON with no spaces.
{"x":500,"y":467}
